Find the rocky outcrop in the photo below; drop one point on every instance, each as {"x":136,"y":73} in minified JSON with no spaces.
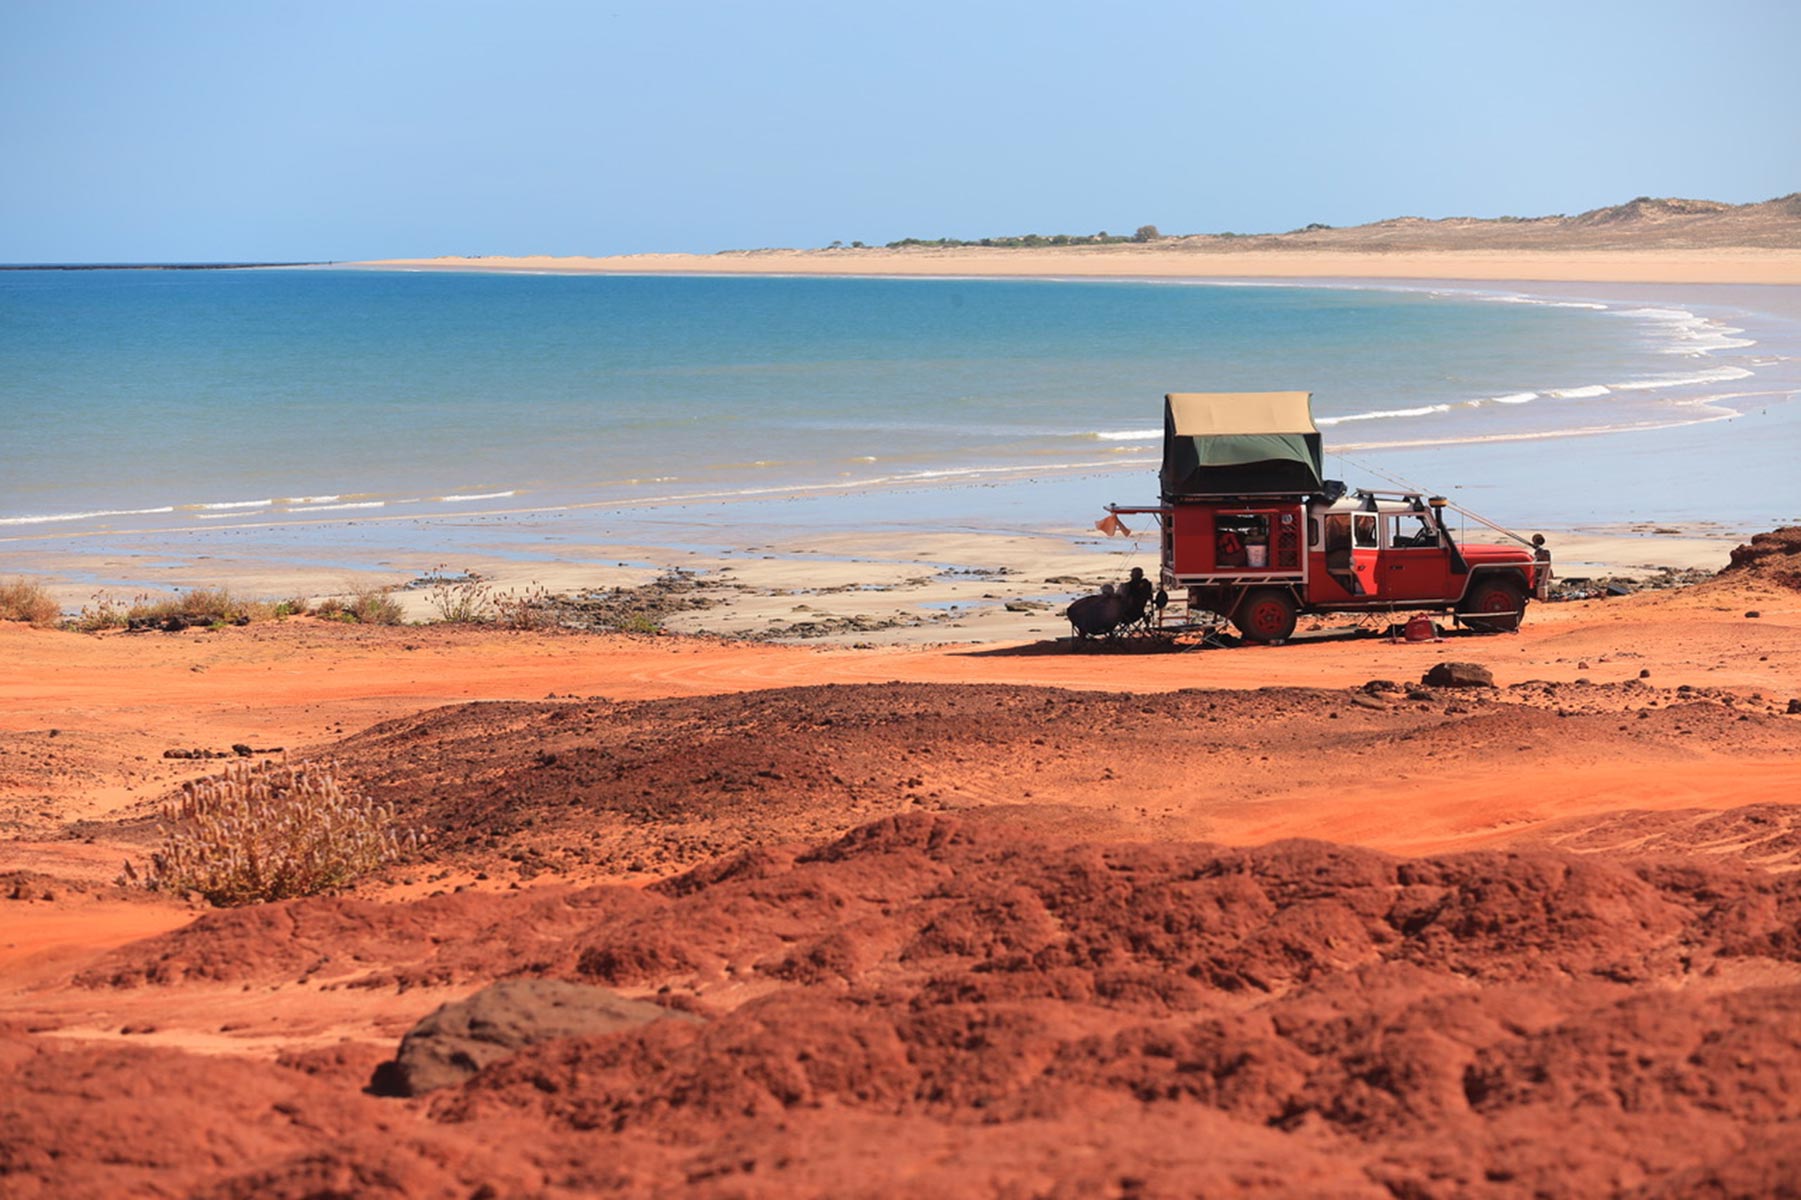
{"x":495,"y":1023}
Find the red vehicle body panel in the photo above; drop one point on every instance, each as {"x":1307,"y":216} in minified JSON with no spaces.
{"x":1381,"y":557}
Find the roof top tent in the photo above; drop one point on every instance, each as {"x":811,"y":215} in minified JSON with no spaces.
{"x":1239,"y":444}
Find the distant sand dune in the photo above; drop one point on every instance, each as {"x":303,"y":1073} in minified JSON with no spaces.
{"x":1642,"y":241}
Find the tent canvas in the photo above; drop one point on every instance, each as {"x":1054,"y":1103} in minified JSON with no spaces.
{"x":1237,"y":443}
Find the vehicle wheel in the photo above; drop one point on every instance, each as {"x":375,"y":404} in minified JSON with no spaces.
{"x":1502,"y":597}
{"x":1266,"y":615}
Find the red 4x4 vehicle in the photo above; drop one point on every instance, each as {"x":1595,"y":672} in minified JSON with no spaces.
{"x":1252,"y":532}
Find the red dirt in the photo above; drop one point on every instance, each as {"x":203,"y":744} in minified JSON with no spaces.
{"x":1011,"y":1015}
{"x":998,"y":928}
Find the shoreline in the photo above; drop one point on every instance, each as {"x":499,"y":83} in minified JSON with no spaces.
{"x":931,"y":564}
{"x":1740,"y":266}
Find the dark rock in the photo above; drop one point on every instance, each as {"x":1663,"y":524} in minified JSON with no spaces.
{"x":1459,"y":674}
{"x":1381,"y":685}
{"x":1754,"y":613}
{"x":466,"y":1035}
{"x":242,"y":749}
{"x":1794,"y":708}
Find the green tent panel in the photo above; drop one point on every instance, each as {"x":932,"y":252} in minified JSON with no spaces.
{"x":1239,"y":443}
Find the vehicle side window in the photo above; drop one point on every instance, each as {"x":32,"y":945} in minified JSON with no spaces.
{"x":1408,"y":530}
{"x":1363,"y":528}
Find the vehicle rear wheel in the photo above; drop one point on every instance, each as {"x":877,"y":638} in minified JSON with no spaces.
{"x":1503,"y":598}
{"x":1265,"y":615}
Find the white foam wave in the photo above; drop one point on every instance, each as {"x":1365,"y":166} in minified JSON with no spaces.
{"x":1717,"y":375}
{"x":86,"y":516}
{"x":1578,"y":393}
{"x":459,"y":499}
{"x":1424,"y":410}
{"x":1690,"y":333}
{"x":313,"y":508}
{"x":1513,"y":398}
{"x":310,"y":499}
{"x":1533,"y":300}
{"x":224,"y":504}
{"x":1127,"y":435}
{"x":1713,"y":410}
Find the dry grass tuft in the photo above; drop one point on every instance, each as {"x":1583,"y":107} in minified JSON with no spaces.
{"x":526,"y":609}
{"x":272,"y":832}
{"x":365,"y":606}
{"x":29,"y":601}
{"x":464,"y":599}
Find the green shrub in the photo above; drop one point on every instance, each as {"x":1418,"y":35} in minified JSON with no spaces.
{"x":460,"y":600}
{"x":375,"y":606}
{"x":364,"y":606}
{"x":102,"y":612}
{"x":271,"y":832}
{"x":29,"y":601}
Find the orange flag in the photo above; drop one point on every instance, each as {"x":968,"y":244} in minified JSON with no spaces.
{"x":1112,"y":526}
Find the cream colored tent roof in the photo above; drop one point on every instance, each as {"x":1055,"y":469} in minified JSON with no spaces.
{"x":1214,"y":414}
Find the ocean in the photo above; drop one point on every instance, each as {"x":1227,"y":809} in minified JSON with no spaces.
{"x":207,"y":400}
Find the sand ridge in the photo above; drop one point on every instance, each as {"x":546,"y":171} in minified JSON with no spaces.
{"x":1643,"y":241}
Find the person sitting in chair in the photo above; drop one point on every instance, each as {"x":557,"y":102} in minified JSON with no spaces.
{"x":1137,"y":593}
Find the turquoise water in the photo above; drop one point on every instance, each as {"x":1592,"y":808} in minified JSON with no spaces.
{"x":137,"y":398}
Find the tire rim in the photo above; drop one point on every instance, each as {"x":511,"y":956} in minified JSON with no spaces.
{"x":1268,"y":618}
{"x":1496,"y":601}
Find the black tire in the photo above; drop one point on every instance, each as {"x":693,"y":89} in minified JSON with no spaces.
{"x":1493,"y":606}
{"x":1265,"y":615}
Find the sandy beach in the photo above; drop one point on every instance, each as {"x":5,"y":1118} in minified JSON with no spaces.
{"x":1746,"y":266}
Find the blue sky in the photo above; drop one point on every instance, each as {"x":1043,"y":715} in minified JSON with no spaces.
{"x":245,"y":130}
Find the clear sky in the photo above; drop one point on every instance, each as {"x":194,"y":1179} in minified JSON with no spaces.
{"x":190,"y":131}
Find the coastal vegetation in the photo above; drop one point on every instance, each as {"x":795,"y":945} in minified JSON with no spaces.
{"x":1642,"y":223}
{"x":271,"y":831}
{"x":200,"y":607}
{"x":363,"y":606}
{"x":29,"y":601}
{"x":1030,"y":241}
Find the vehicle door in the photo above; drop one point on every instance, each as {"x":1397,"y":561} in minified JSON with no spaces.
{"x":1413,"y":563}
{"x":1366,"y":542}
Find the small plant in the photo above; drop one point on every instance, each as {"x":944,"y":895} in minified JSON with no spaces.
{"x":375,"y":606}
{"x":271,"y":832}
{"x":640,"y":623}
{"x":293,"y":606}
{"x":464,"y":599}
{"x":101,"y":612}
{"x":364,"y":606}
{"x":29,"y":601}
{"x":529,"y":608}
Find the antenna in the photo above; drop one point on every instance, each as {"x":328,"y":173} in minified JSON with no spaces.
{"x":1436,"y":500}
